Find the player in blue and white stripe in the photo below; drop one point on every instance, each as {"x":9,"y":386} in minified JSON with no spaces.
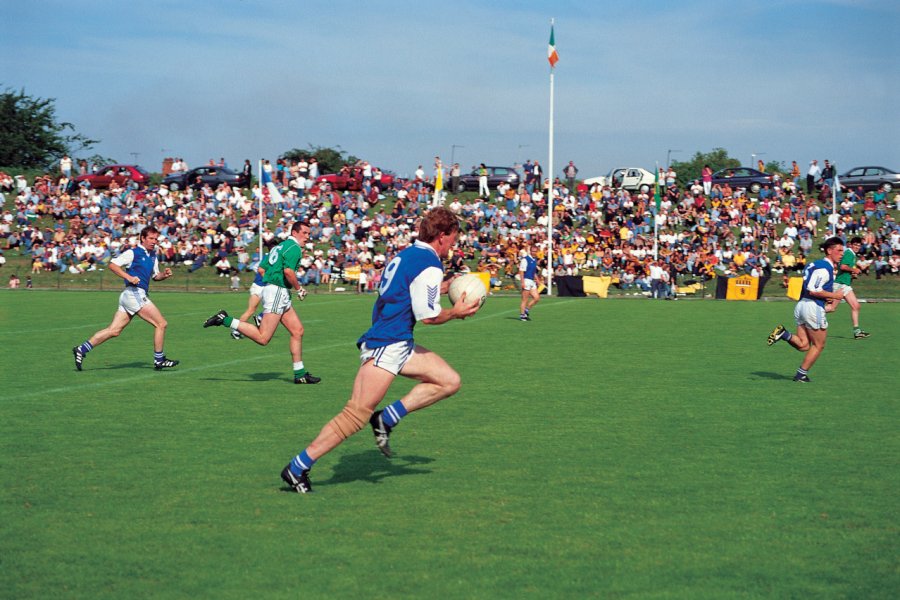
{"x":256,"y":292}
{"x":809,"y":313}
{"x":137,"y":266}
{"x":528,"y":277}
{"x":409,"y":293}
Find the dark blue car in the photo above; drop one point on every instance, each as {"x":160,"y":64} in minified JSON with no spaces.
{"x":742,"y":177}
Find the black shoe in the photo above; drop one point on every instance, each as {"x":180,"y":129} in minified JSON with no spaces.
{"x":802,"y":378}
{"x":216,"y":319}
{"x":523,"y":317}
{"x":307,"y":378}
{"x":166,"y":363}
{"x":299,"y":483}
{"x":257,"y":318}
{"x":382,"y":433}
{"x":860,"y":334}
{"x":79,"y":357}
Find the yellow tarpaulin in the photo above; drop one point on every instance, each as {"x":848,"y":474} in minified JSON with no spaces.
{"x":596,"y":285}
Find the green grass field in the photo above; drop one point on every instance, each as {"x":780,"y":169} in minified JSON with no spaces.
{"x":609,"y":449}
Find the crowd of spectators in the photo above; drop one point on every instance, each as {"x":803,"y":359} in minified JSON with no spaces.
{"x":596,"y":230}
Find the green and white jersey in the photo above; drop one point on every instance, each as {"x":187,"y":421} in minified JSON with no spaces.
{"x":285,"y":255}
{"x":849,"y":259}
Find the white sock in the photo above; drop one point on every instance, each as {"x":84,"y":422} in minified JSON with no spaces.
{"x":298,"y":366}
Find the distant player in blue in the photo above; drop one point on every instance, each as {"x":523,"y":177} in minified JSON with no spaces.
{"x":137,"y":266}
{"x":812,"y":327}
{"x":528,"y":277}
{"x":410,"y":292}
{"x":256,"y":292}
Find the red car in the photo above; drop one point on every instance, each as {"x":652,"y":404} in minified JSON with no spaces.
{"x":351,"y":178}
{"x":121,"y":174}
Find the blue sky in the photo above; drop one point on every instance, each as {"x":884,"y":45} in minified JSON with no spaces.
{"x":400,"y":82}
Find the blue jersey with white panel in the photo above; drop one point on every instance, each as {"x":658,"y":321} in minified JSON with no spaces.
{"x":410,"y":291}
{"x":817,"y":277}
{"x":528,"y":265}
{"x":140,"y":263}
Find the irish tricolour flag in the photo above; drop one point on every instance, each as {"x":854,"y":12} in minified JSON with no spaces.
{"x":552,"y":56}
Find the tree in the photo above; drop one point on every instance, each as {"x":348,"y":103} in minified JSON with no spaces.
{"x":30,"y":135}
{"x":330,"y":159}
{"x":716,"y":159}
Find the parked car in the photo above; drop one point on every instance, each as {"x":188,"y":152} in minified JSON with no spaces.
{"x":210,"y":175}
{"x":351,"y":178}
{"x":871,"y":179}
{"x":742,"y":177}
{"x":632,"y":179}
{"x":496,"y":176}
{"x":121,"y":174}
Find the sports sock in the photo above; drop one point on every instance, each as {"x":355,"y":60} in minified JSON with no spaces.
{"x":301,"y":462}
{"x":86,"y":347}
{"x":392,"y":414}
{"x":158,"y":356}
{"x":856,"y":330}
{"x":802,"y":371}
{"x":227,"y":321}
{"x":299,"y":370}
{"x":785,"y":335}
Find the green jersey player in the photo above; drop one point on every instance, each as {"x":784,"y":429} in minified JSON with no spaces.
{"x":843,"y":280}
{"x":281,"y":279}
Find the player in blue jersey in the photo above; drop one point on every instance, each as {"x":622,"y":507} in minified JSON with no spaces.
{"x":809,"y":313}
{"x":528,"y":278}
{"x":137,"y":266}
{"x":409,"y":293}
{"x":256,"y":292}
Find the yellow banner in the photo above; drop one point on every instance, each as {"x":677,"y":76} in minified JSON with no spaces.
{"x":744,"y":287}
{"x":352,"y":272}
{"x":485,"y":279}
{"x":795,"y":287}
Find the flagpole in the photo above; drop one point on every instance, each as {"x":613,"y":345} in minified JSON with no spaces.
{"x":550,"y":174}
{"x":260,"y":210}
{"x":835,"y":183}
{"x":655,"y":213}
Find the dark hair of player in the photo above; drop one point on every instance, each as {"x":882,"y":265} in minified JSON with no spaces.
{"x":147,"y":231}
{"x":830,"y":243}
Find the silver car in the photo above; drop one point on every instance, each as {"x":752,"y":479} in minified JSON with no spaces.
{"x":870,"y":179}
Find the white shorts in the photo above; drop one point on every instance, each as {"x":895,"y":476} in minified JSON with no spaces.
{"x":391,"y":358}
{"x":811,"y":315}
{"x":257,"y":290}
{"x":275,"y":299}
{"x":843,"y":288}
{"x":528,"y":285}
{"x":132,"y":300}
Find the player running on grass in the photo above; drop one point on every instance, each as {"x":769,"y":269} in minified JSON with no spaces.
{"x":137,"y":266}
{"x":812,"y":327}
{"x":843,"y":280}
{"x":409,"y":292}
{"x":281,"y":279}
